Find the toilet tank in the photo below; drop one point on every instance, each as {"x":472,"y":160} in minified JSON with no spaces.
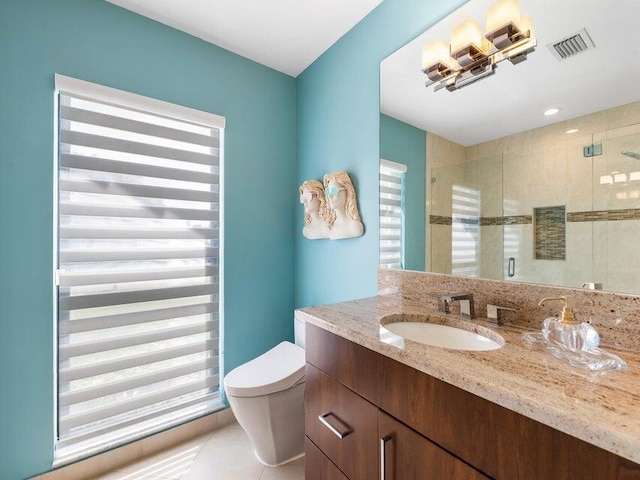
{"x":298,"y":331}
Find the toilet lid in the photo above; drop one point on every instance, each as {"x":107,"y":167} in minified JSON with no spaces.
{"x":280,"y":368}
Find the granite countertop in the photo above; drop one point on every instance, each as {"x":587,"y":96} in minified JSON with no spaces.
{"x":600,"y":408}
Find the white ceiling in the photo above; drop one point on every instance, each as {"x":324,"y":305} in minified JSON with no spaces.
{"x":286,"y":35}
{"x":513,"y":99}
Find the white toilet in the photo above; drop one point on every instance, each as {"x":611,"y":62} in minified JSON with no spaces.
{"x":266,"y":395}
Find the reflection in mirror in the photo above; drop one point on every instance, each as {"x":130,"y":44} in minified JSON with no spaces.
{"x":513,"y":194}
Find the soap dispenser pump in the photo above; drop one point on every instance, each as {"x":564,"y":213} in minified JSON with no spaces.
{"x":567,"y":332}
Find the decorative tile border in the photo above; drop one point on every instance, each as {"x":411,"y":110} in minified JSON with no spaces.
{"x":491,"y":221}
{"x":587,"y":216}
{"x":482,"y":221}
{"x":440,"y":220}
{"x":517,"y":220}
{"x":604,"y":215}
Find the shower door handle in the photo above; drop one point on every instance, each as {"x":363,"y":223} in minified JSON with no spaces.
{"x":511,"y":267}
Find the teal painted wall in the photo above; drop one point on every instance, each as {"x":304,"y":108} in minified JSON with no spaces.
{"x":96,"y":41}
{"x":338,"y":129}
{"x":406,"y":144}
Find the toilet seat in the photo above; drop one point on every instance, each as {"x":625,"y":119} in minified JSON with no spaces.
{"x":280,"y":368}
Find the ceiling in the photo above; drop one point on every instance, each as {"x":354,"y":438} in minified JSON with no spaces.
{"x":286,"y":35}
{"x":513,"y":99}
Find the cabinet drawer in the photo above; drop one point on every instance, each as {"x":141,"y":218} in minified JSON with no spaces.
{"x":333,"y":411}
{"x":352,"y":365}
{"x":317,"y":466}
{"x":407,"y":454}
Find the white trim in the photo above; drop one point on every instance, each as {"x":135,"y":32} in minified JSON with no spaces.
{"x":56,"y":260}
{"x":109,"y":95}
{"x":221,"y":263}
{"x":393,"y":165}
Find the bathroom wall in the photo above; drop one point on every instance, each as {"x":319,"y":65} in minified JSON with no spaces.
{"x":99,"y":42}
{"x":338,"y":115}
{"x":406,"y":144}
{"x":546,"y":168}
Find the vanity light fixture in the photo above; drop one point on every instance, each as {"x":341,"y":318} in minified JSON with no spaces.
{"x":473,"y":56}
{"x":572,"y":130}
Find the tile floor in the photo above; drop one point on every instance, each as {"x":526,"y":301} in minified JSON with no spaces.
{"x":225,"y":454}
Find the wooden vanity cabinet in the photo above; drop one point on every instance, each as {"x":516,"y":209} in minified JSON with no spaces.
{"x":408,"y":455}
{"x":426,"y":429}
{"x":318,"y":464}
{"x":341,"y":424}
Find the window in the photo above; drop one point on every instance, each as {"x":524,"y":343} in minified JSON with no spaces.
{"x":465,"y":231}
{"x":391,"y":214}
{"x":138,"y":264}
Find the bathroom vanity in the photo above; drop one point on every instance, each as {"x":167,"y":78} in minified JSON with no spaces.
{"x":376,"y":409}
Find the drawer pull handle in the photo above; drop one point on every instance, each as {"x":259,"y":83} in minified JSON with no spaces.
{"x":383,"y":456}
{"x":323,"y":419}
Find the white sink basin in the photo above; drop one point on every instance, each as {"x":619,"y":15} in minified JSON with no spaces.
{"x":434,"y":331}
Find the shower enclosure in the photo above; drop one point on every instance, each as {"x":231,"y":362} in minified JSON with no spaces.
{"x":533,"y":208}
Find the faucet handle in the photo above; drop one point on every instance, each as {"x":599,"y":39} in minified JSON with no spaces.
{"x":494,"y":314}
{"x":467,"y":310}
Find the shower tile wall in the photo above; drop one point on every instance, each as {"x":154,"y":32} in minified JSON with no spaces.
{"x":542,"y":168}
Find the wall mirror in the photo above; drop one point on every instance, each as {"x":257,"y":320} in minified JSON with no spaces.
{"x":511,"y":193}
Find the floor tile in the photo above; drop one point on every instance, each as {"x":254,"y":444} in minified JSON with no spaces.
{"x":170,"y":464}
{"x":293,"y":470}
{"x":227,"y":455}
{"x":125,"y":476}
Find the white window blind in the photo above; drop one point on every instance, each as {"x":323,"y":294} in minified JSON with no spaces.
{"x":138,"y":266}
{"x":465,"y":231}
{"x":391,"y":214}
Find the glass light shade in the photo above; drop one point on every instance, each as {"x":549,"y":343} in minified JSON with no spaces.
{"x":527,"y":24}
{"x":466,"y":34}
{"x":436,"y":52}
{"x":502,"y":13}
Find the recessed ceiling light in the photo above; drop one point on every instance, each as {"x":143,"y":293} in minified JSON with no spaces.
{"x":552,"y":111}
{"x":572,"y":130}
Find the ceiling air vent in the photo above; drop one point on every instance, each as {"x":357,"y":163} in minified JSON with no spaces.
{"x":572,"y":45}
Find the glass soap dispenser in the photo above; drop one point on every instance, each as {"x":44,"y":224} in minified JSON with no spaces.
{"x":567,"y":332}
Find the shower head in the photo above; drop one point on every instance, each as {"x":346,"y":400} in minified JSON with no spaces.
{"x":631,"y":154}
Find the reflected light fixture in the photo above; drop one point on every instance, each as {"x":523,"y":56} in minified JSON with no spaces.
{"x":473,"y":56}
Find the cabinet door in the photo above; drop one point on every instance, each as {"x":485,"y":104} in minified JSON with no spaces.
{"x":317,"y":466}
{"x":408,"y":455}
{"x":343,"y":425}
{"x":352,"y":365}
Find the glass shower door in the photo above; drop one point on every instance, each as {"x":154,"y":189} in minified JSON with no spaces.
{"x":616,"y":209}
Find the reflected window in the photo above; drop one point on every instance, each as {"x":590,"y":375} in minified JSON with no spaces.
{"x":465,"y":231}
{"x":392,"y":214}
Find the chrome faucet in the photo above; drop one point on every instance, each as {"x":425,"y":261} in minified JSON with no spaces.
{"x":467,"y":310}
{"x":495,"y":313}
